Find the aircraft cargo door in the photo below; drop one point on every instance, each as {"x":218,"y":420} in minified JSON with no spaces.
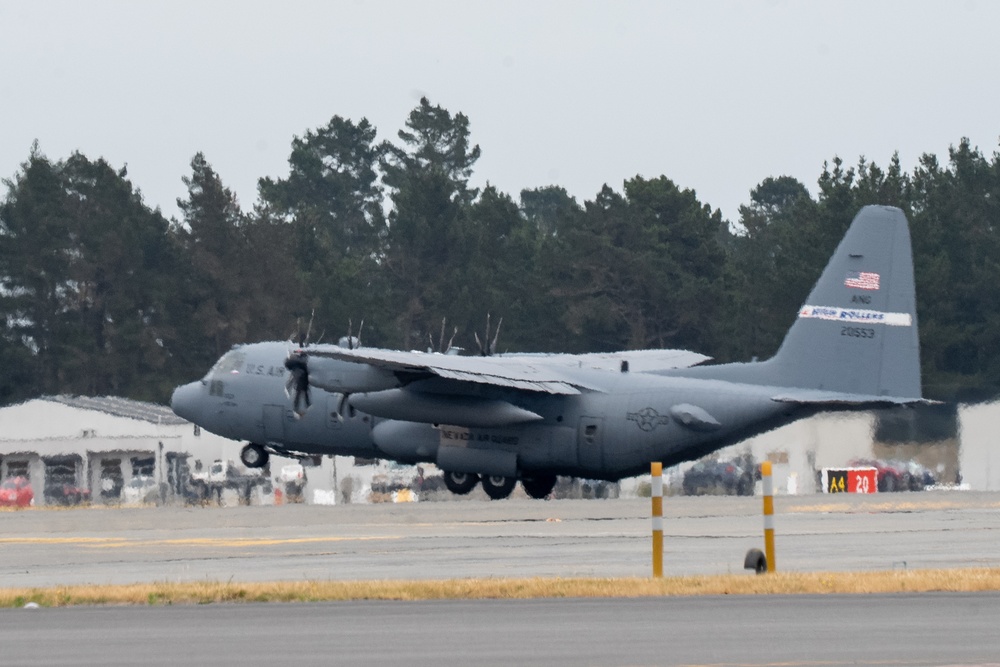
{"x":274,"y":423}
{"x":590,"y":440}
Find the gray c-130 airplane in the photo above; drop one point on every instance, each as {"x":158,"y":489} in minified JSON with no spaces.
{"x":495,"y":420}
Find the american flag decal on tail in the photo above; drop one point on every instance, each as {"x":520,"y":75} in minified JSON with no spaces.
{"x":862,"y":280}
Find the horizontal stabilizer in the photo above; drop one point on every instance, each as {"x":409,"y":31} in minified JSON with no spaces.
{"x":833,"y":399}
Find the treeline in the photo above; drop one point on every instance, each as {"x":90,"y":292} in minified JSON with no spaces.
{"x":102,"y":295}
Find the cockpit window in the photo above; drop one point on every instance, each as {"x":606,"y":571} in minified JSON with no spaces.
{"x":229,"y":364}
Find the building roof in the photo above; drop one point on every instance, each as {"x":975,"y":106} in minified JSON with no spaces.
{"x":121,"y":407}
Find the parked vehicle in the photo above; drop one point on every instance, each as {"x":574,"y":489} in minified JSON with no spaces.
{"x":16,"y":492}
{"x":719,"y":478}
{"x":898,"y":475}
{"x":140,"y":489}
{"x":221,"y":475}
{"x":66,"y":494}
{"x":293,"y":477}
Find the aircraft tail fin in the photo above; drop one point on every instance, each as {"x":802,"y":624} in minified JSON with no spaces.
{"x":857,"y":331}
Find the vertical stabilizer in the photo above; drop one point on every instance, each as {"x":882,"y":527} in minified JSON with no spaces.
{"x":857,"y":331}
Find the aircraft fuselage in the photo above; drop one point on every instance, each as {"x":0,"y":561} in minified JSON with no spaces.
{"x":608,"y":434}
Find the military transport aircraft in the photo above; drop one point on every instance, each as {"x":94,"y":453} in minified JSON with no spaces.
{"x":495,"y":420}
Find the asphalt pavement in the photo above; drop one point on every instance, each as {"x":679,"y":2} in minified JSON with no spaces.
{"x":512,"y":538}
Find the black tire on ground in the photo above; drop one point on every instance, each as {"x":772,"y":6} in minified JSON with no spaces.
{"x":539,"y":486}
{"x":254,"y":456}
{"x":755,"y":560}
{"x":460,"y":483}
{"x":497,"y":487}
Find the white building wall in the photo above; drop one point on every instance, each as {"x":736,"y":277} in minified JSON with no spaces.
{"x":979,"y":450}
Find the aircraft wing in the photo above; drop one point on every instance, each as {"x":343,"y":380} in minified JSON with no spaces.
{"x":639,"y":361}
{"x":545,"y":373}
{"x":450,"y":389}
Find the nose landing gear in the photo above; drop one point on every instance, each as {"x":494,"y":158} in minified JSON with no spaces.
{"x":254,"y":456}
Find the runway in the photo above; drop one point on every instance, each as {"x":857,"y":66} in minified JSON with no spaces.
{"x":513,"y":538}
{"x":932,"y":629}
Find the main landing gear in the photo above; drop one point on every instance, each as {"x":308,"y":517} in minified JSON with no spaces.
{"x":539,"y":486}
{"x":460,"y":483}
{"x":498,"y":487}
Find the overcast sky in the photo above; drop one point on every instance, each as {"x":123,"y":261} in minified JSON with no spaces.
{"x":716,"y":96}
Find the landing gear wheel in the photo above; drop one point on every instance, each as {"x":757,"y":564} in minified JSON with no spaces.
{"x":254,"y":456}
{"x":539,"y":486}
{"x":497,"y":487}
{"x":460,"y":483}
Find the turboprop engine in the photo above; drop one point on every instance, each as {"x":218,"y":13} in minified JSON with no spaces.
{"x":342,"y":377}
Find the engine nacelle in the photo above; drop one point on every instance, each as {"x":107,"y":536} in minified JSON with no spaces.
{"x":471,"y":411}
{"x":342,"y":377}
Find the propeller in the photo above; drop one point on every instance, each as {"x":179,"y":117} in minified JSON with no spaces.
{"x":491,"y":346}
{"x":441,"y":347}
{"x":297,"y":363}
{"x":351,"y":342}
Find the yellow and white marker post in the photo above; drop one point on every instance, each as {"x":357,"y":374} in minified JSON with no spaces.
{"x":656,"y":488}
{"x":768,"y":483}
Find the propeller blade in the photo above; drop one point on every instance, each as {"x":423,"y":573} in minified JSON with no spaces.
{"x":298,"y":378}
{"x":493,"y":345}
{"x":341,"y":404}
{"x":310,"y":327}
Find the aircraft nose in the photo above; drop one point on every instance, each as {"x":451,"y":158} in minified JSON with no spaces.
{"x":186,"y":402}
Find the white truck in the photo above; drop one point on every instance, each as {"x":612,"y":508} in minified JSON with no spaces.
{"x":222,"y":475}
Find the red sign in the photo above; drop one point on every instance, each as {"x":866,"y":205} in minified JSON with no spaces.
{"x":850,"y":480}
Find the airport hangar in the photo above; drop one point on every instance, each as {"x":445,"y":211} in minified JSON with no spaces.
{"x":101,"y":444}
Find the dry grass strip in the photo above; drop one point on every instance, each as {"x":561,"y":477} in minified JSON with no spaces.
{"x":912,"y":581}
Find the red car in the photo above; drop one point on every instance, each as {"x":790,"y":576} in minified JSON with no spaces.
{"x":889,"y":477}
{"x":16,"y":492}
